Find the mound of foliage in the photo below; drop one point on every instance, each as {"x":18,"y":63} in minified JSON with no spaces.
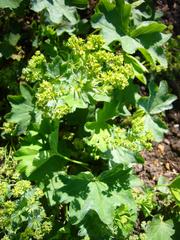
{"x":80,"y":121}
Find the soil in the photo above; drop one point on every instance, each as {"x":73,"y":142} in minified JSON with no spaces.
{"x":171,"y":11}
{"x":164,"y":159}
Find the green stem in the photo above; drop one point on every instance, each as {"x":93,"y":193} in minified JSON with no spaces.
{"x":53,"y":138}
{"x":72,"y":160}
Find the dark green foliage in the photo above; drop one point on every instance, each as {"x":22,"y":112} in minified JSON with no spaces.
{"x":79,"y":121}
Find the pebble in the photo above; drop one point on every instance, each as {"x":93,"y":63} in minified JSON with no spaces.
{"x":161,"y":148}
{"x":166,"y":141}
{"x":167,"y":166}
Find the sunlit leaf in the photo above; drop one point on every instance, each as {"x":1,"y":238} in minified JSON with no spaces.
{"x":10,"y":3}
{"x":159,"y":229}
{"x":175,"y":188}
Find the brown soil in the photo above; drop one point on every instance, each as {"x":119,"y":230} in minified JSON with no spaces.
{"x":171,"y":11}
{"x":164,"y":159}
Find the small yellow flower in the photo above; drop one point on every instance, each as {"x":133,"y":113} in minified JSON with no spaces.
{"x":21,"y":187}
{"x":3,"y":189}
{"x":9,"y":207}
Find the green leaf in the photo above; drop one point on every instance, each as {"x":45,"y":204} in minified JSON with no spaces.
{"x":75,"y":100}
{"x":152,"y":47}
{"x":78,"y":3}
{"x":38,"y":148}
{"x":115,"y":107}
{"x":129,"y":44}
{"x":109,"y":32}
{"x":147,"y":55}
{"x":27,"y":156}
{"x":156,"y":126}
{"x":45,"y":177}
{"x":13,"y":38}
{"x":148,"y":27}
{"x":22,"y":108}
{"x":53,"y":138}
{"x":26,"y":92}
{"x":113,"y":22}
{"x":57,"y":10}
{"x":158,"y":100}
{"x":122,"y":155}
{"x":10,"y":3}
{"x":99,"y":128}
{"x":136,"y":63}
{"x":37,"y":163}
{"x":138,"y":67}
{"x":118,"y":106}
{"x":124,"y":12}
{"x":94,"y":228}
{"x":109,"y":110}
{"x":159,"y":229}
{"x":96,"y":200}
{"x":100,"y":97}
{"x":137,"y":3}
{"x":175,"y":188}
{"x":162,"y":184}
{"x":84,"y":192}
{"x":6,"y":50}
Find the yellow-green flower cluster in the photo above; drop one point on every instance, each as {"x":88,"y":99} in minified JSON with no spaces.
{"x":3,"y":189}
{"x":101,"y":140}
{"x":48,"y":100}
{"x":145,"y":200}
{"x":37,"y":233}
{"x":134,"y":138}
{"x":48,"y":31}
{"x":7,"y":170}
{"x":124,"y":219}
{"x":9,"y":207}
{"x":60,"y":111}
{"x":21,"y":187}
{"x":144,"y":137}
{"x":2,"y":152}
{"x":5,"y":238}
{"x":94,"y":42}
{"x":105,"y":69}
{"x":35,"y":69}
{"x":38,"y":193}
{"x":45,"y":94}
{"x":8,"y":128}
{"x":141,"y":236}
{"x":87,"y":68}
{"x":76,"y":44}
{"x":68,"y":136}
{"x":19,"y":206}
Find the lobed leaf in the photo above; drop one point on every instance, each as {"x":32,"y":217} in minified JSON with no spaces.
{"x":59,"y":13}
{"x":12,"y":4}
{"x":159,"y":99}
{"x":113,"y":22}
{"x":175,"y":188}
{"x":159,"y":229}
{"x":22,"y":108}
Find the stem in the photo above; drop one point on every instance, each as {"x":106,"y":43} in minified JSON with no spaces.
{"x":72,"y":160}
